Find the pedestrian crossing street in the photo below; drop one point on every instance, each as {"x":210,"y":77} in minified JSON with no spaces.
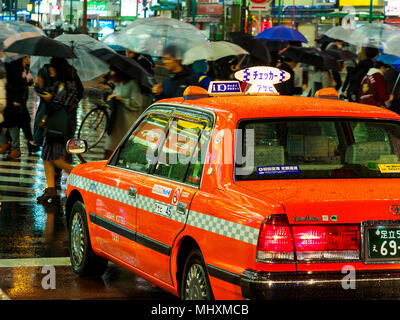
{"x":23,"y":179}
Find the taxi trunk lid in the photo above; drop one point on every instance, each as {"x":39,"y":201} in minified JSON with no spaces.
{"x":332,"y":201}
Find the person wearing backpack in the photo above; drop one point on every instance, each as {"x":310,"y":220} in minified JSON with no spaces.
{"x":358,"y":73}
{"x":62,"y":102}
{"x":373,"y":89}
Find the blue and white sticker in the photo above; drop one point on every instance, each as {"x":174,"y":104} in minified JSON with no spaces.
{"x":224,"y":87}
{"x":268,"y":170}
{"x":161,"y":190}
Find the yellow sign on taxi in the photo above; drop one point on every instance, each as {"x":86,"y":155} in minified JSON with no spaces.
{"x":389,"y":168}
{"x":357,"y":3}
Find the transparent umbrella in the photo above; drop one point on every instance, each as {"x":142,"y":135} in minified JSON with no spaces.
{"x":10,"y":56}
{"x":370,"y":34}
{"x":152,"y":35}
{"x":112,"y":41}
{"x":11,"y":31}
{"x":20,"y":26}
{"x":87,"y":66}
{"x":392,"y":46}
{"x":219,"y":49}
{"x":339,"y":33}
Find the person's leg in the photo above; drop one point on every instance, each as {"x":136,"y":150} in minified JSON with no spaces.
{"x":50,"y":193}
{"x":38,"y":132}
{"x":49,"y":173}
{"x":4,"y":144}
{"x":25,"y":125}
{"x":15,"y":148}
{"x":63,"y":164}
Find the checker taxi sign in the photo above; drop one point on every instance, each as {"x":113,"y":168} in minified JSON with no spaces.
{"x":262,"y":79}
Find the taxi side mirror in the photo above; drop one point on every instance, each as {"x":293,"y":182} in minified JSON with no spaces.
{"x":77,"y":146}
{"x":328,"y":93}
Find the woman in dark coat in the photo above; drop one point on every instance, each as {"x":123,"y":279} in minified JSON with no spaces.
{"x":66,"y":93}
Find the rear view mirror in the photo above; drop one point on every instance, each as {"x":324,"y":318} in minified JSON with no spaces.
{"x":76,"y":146}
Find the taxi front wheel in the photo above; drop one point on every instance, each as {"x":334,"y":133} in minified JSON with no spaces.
{"x":195,"y":284}
{"x":83,"y":260}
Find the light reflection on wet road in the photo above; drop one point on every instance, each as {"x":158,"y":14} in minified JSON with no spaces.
{"x":30,"y":233}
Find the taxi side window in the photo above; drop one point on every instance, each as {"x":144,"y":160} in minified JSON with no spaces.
{"x":139,"y":150}
{"x":196,"y":165}
{"x":177,"y":151}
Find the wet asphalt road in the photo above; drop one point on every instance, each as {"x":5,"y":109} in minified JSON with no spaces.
{"x":33,"y":240}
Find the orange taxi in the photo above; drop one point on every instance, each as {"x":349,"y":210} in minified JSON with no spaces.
{"x":238,"y":196}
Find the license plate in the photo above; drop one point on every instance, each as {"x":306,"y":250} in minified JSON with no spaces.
{"x":162,"y":209}
{"x":383,"y":243}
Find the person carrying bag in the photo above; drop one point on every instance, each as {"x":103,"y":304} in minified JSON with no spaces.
{"x":59,"y":123}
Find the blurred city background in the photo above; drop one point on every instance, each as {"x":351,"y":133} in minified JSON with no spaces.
{"x":215,"y":18}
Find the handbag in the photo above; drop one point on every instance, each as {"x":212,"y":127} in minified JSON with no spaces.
{"x":58,"y":128}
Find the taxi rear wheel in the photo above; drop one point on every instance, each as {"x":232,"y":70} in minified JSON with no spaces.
{"x":195,"y":282}
{"x":83,"y":260}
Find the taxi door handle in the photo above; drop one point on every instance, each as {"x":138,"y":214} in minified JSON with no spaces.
{"x":181,"y":208}
{"x":132,"y":192}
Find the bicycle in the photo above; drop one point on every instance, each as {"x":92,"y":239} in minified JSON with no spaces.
{"x":97,"y":122}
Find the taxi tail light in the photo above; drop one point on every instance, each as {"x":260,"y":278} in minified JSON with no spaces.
{"x":275,"y":241}
{"x":280,"y":242}
{"x":326,"y":242}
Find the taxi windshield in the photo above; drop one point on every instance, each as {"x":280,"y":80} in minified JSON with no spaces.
{"x":315,"y":148}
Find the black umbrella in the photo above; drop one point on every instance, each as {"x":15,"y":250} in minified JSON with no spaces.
{"x":257,"y":48}
{"x":310,"y":56}
{"x":125,"y":65}
{"x":341,"y":54}
{"x":41,"y":46}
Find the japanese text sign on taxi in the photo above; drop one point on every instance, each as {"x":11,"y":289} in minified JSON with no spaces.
{"x":262,"y":79}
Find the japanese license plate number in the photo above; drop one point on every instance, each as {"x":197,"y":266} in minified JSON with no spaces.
{"x":162,"y":209}
{"x":383,"y":243}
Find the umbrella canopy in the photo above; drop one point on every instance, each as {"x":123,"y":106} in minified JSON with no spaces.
{"x":112,"y":41}
{"x":152,"y":35}
{"x":339,"y":33}
{"x":388,"y":59}
{"x":219,"y":49}
{"x":281,"y":33}
{"x":392,"y":45}
{"x":257,"y":48}
{"x":341,"y":54}
{"x":87,"y":66}
{"x":40,"y":46}
{"x":370,"y":34}
{"x":125,"y":65}
{"x":20,"y":26}
{"x":310,"y":56}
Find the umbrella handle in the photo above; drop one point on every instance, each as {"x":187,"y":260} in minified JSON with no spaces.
{"x":395,"y":85}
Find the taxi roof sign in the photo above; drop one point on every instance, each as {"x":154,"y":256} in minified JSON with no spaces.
{"x":224,"y":88}
{"x":262,"y":79}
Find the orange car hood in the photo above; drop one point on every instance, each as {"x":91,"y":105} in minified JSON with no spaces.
{"x":332,"y":201}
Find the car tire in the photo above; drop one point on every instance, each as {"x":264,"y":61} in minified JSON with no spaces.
{"x":84,"y":261}
{"x":195,"y":281}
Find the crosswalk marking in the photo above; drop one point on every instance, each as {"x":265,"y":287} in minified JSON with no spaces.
{"x":34,"y":262}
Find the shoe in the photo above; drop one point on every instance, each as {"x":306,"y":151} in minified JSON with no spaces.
{"x":4,"y":147}
{"x":14,"y":154}
{"x":49,"y":195}
{"x":33,"y":148}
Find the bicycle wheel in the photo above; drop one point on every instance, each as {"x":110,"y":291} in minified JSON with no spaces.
{"x":94,"y":126}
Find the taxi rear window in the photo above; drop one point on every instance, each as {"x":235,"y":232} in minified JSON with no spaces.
{"x":317,"y":148}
